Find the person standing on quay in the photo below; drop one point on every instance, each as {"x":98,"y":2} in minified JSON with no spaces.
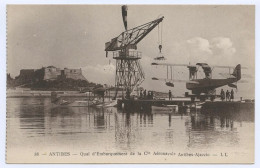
{"x":170,"y":95}
{"x":227,"y":95}
{"x":232,"y":95}
{"x":144,"y":93}
{"x":141,"y":94}
{"x":222,"y":94}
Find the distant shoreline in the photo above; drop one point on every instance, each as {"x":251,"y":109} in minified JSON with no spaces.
{"x":41,"y":94}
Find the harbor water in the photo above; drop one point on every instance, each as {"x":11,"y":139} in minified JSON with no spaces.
{"x":34,"y":125}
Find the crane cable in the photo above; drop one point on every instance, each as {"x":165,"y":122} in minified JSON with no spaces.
{"x":160,"y":37}
{"x":161,"y":32}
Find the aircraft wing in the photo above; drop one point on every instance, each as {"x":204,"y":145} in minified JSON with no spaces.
{"x":213,"y":66}
{"x":227,"y":75}
{"x":175,"y":80}
{"x":167,"y":64}
{"x":219,"y":66}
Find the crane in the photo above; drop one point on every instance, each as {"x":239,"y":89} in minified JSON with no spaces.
{"x":130,"y":38}
{"x":129,"y":73}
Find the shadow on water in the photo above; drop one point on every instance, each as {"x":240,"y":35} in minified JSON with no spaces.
{"x":222,"y":126}
{"x":141,"y":128}
{"x":85,"y":119}
{"x":129,"y":126}
{"x":234,"y":114}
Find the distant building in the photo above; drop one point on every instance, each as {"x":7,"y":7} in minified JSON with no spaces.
{"x":73,"y":74}
{"x":48,"y":73}
{"x":9,"y":81}
{"x":51,"y":73}
{"x":26,"y":76}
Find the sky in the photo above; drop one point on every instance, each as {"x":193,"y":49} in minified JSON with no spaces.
{"x":74,"y":36}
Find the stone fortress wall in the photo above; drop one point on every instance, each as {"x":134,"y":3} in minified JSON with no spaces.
{"x":50,"y":73}
{"x":74,"y":74}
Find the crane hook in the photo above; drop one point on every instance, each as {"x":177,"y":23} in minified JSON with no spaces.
{"x":160,"y":48}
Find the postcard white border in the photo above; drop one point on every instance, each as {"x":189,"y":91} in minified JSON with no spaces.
{"x":3,"y":4}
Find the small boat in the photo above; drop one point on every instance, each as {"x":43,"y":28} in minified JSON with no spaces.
{"x":166,"y":108}
{"x":77,"y":103}
{"x":59,"y":101}
{"x":196,"y":106}
{"x":112,"y":103}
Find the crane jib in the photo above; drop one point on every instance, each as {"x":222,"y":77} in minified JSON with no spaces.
{"x":131,"y":36}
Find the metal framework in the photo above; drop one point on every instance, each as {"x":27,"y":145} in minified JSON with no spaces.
{"x":129,"y":73}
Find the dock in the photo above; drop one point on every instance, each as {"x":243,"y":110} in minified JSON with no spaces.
{"x":146,"y":105}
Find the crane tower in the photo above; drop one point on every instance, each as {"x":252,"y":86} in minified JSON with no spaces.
{"x":129,"y":73}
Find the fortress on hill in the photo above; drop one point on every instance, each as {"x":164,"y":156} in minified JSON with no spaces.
{"x":52,"y":73}
{"x":49,"y":73}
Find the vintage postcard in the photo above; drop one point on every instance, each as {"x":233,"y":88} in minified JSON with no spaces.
{"x":130,"y":84}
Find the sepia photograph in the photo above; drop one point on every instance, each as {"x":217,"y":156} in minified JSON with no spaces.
{"x":130,"y":83}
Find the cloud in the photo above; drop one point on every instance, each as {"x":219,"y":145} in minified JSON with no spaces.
{"x":201,"y":44}
{"x":199,"y":49}
{"x":218,"y":50}
{"x":223,"y":43}
{"x":223,"y":48}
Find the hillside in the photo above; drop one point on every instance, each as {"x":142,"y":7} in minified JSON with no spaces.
{"x":58,"y":84}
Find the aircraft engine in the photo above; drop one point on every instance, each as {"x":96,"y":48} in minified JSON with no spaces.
{"x":170,"y":84}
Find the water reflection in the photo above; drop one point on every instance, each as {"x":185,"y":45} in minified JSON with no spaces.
{"x":32,"y":118}
{"x":110,"y":129}
{"x":212,"y":128}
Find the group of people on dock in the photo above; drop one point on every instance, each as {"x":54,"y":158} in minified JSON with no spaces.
{"x":229,"y":96}
{"x":146,"y":95}
{"x":150,"y":95}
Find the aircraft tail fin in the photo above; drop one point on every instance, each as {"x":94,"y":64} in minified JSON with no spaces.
{"x":237,"y":72}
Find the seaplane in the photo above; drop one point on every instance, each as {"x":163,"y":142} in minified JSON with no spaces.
{"x":205,"y":87}
{"x":91,"y":99}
